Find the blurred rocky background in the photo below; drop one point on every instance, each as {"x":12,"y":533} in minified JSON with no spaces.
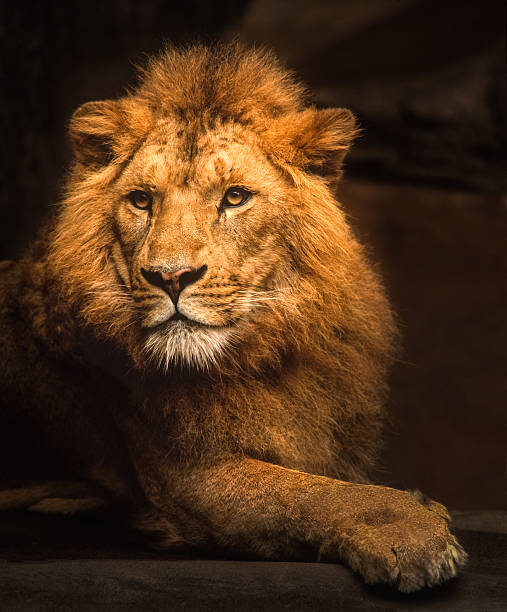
{"x":425,"y":77}
{"x":426,"y":182}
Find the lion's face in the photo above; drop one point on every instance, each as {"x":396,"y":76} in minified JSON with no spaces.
{"x":198,"y":222}
{"x":200,"y":218}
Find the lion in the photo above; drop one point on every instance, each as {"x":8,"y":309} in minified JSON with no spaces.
{"x":197,"y":341}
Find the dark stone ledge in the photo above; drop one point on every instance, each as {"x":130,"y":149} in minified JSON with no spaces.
{"x":52,"y":563}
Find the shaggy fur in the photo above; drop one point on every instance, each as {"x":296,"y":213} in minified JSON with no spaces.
{"x":210,"y":430}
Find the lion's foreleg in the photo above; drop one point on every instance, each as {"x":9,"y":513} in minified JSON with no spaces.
{"x":255,"y":508}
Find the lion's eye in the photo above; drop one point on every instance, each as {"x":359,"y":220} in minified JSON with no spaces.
{"x":140,"y":199}
{"x":235,"y":196}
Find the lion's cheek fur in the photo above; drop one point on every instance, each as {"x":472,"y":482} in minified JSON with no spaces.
{"x":80,"y":263}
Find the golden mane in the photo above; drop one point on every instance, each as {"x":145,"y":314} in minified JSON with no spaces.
{"x":334,"y":318}
{"x":227,"y":81}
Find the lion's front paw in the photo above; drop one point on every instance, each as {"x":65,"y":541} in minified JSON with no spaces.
{"x":409,"y":547}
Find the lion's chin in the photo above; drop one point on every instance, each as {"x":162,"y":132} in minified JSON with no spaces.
{"x":187,"y":343}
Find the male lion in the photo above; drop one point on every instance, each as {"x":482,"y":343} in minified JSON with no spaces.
{"x":196,"y":338}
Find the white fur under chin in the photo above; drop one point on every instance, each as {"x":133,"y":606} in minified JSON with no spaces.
{"x":185,"y":345}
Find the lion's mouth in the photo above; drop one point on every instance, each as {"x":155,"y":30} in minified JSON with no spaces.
{"x":181,"y":320}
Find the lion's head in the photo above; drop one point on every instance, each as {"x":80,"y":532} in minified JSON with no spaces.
{"x":199,"y":225}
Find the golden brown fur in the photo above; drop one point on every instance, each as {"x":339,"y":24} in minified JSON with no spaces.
{"x":281,"y":363}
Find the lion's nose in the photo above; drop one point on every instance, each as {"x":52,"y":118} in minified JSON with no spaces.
{"x":173,"y":282}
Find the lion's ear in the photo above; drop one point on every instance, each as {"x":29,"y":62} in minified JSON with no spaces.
{"x":317,"y":140}
{"x":92,"y":131}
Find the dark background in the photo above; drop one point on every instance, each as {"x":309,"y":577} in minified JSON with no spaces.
{"x":426,"y":183}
